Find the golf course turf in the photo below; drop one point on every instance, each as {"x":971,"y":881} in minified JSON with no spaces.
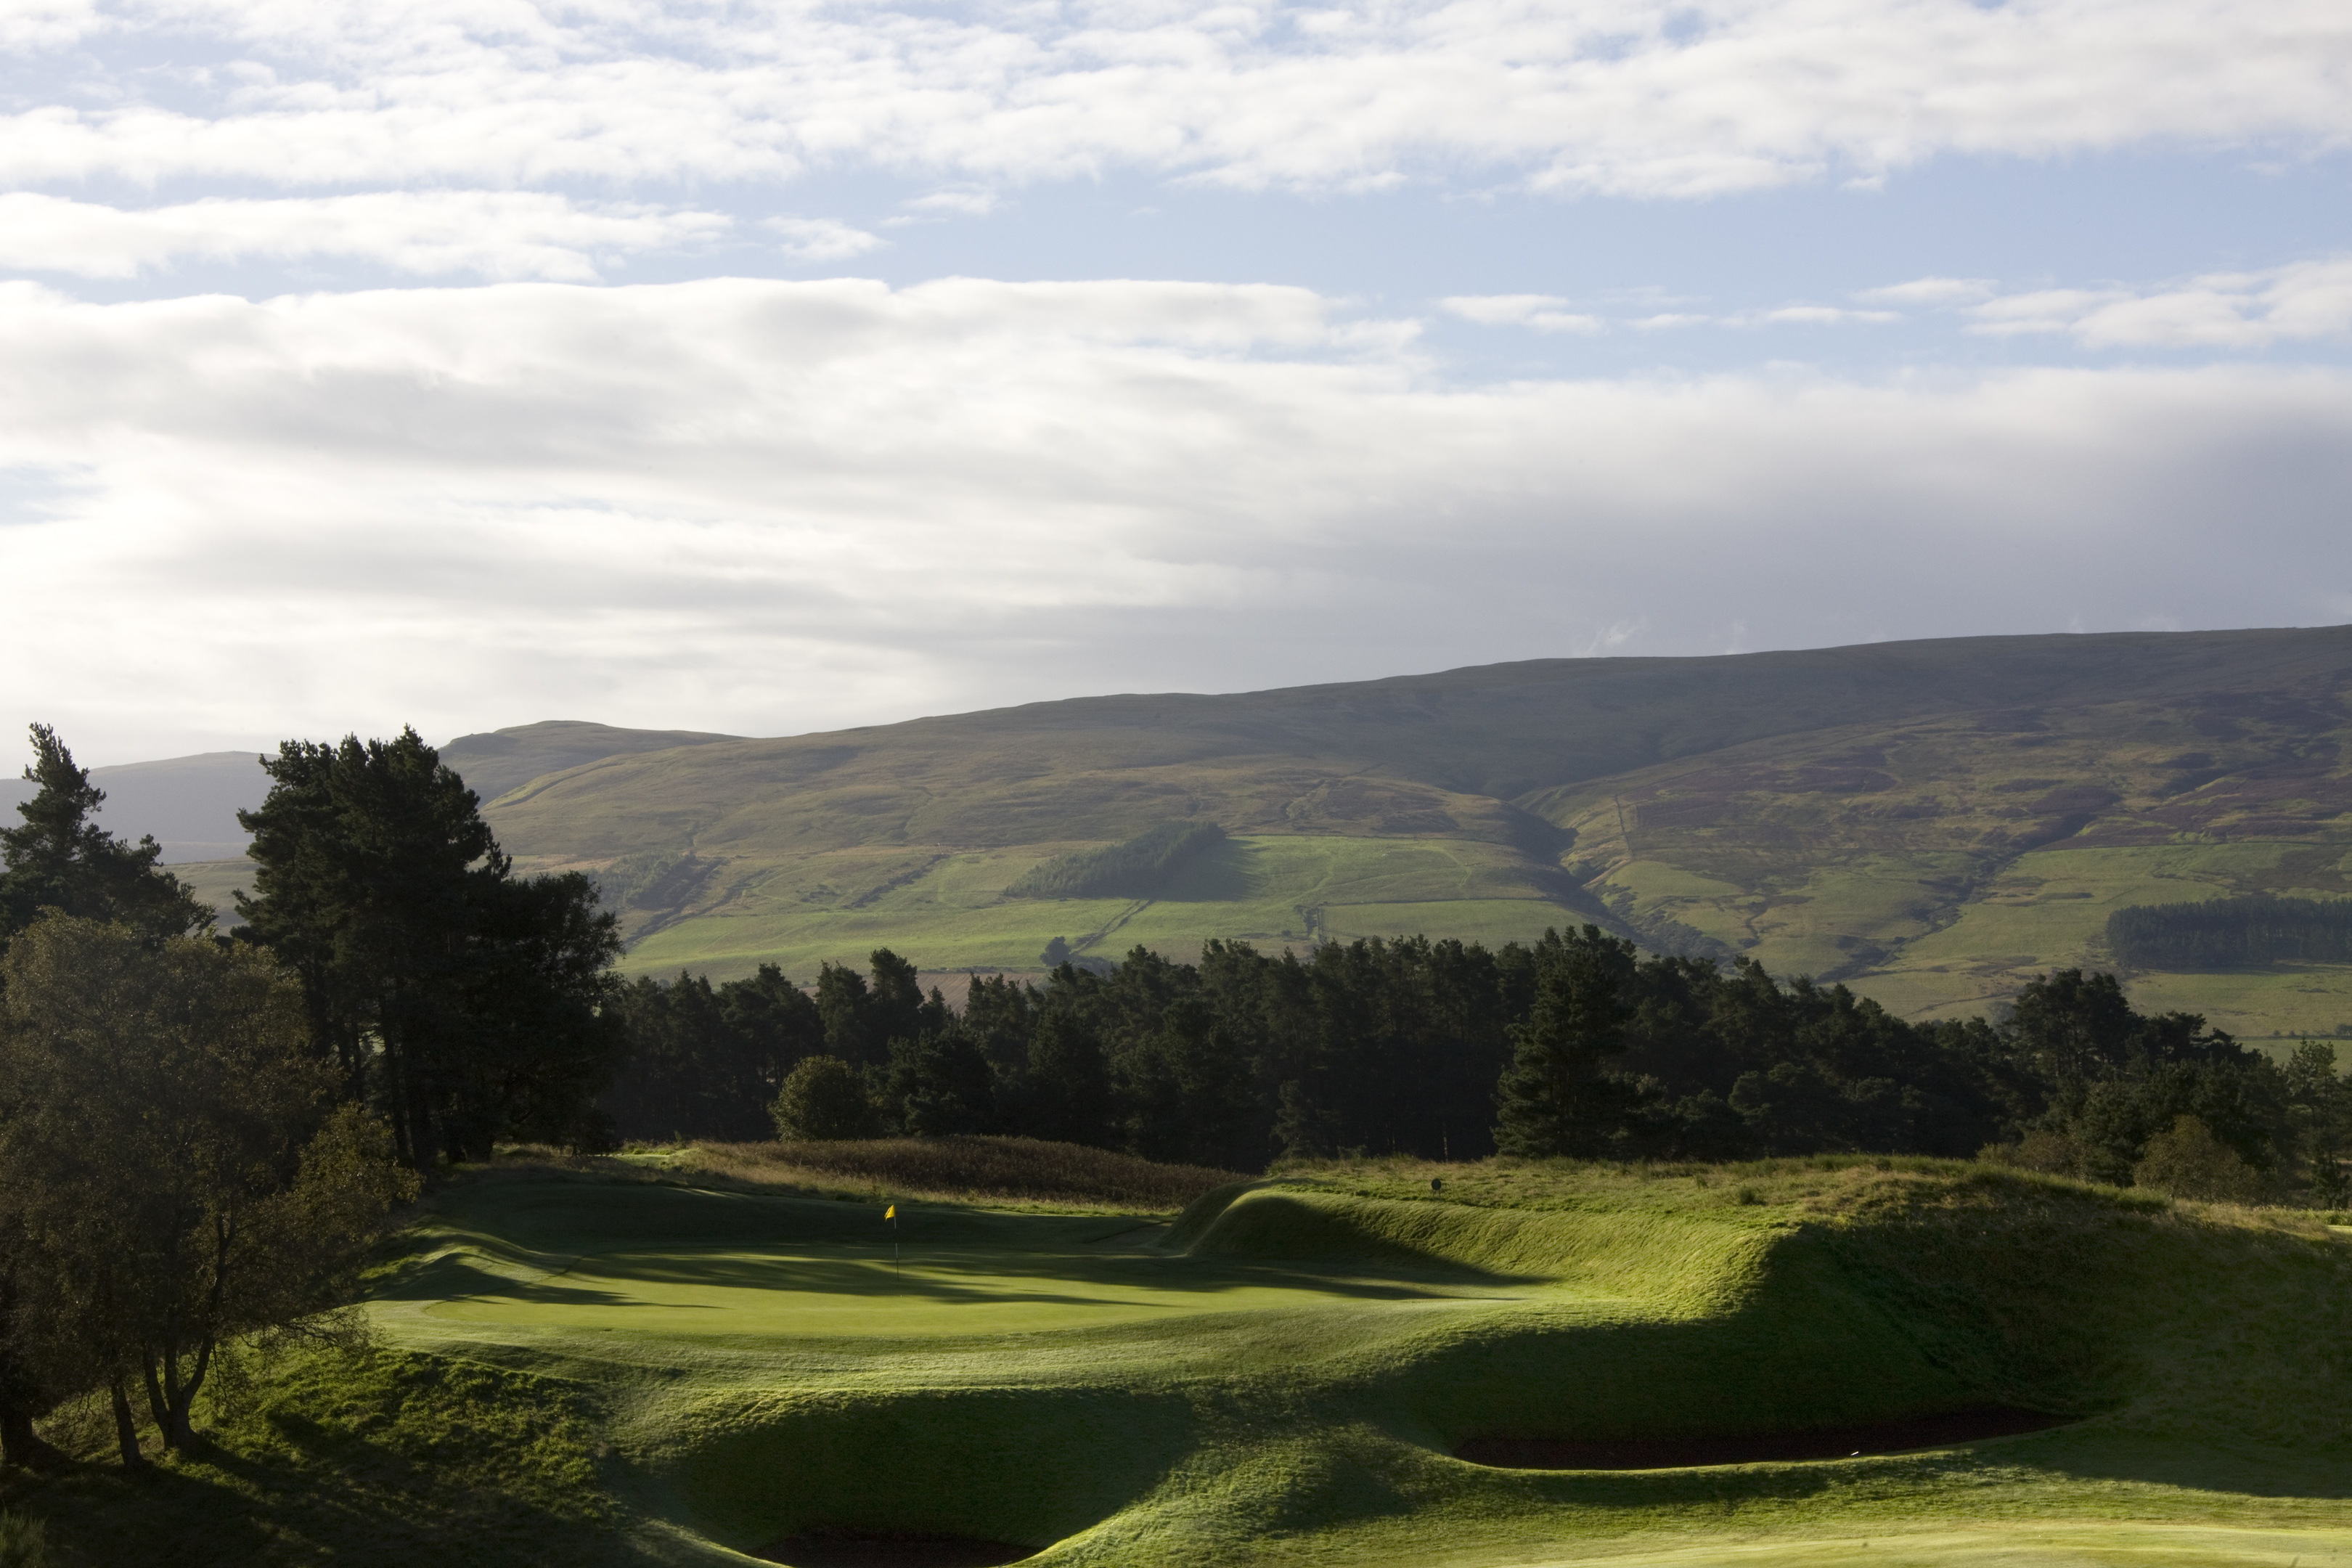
{"x":1287,"y":1373}
{"x":636,"y":1360}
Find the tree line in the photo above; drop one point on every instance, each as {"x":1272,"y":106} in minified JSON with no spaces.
{"x":1576,"y":1045}
{"x":200,"y":1135}
{"x":2231,"y":933}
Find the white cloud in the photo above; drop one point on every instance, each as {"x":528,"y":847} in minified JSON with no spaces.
{"x":1615,"y":96}
{"x":1821,"y":316}
{"x":767,"y":506}
{"x":822,"y":239}
{"x":1930,"y":291}
{"x":1544,"y":313}
{"x":496,"y":234}
{"x":954,"y":203}
{"x":2228,"y":310}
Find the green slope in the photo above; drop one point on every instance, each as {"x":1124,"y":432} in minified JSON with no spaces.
{"x":1931,"y":821}
{"x":500,"y":759}
{"x":1283,"y":1375}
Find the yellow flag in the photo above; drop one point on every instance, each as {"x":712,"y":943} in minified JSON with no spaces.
{"x":890,"y":1212}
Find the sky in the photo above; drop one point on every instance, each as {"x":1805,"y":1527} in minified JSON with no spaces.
{"x":768,"y":366}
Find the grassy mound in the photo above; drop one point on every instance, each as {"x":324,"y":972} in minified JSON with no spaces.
{"x":965,"y":1170}
{"x":1285,"y":1372}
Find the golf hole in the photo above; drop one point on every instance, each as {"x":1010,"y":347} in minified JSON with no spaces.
{"x":1757,"y":1448}
{"x":833,"y":1547}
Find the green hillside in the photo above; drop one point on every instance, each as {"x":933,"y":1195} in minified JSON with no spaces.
{"x":662,"y":1372}
{"x":1928,"y":821}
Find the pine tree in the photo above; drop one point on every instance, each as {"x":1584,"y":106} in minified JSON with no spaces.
{"x":1557,"y":1097}
{"x":59,"y":858}
{"x":468,"y":1002}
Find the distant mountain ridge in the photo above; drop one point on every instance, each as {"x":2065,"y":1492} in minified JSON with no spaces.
{"x":1930,"y":820}
{"x":190,"y":804}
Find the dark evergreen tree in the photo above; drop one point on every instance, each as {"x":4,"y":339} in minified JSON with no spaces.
{"x":468,"y":1002}
{"x":1559,"y":1096}
{"x":705,"y":1062}
{"x":843,"y":1005}
{"x":939,"y":1084}
{"x":59,"y":858}
{"x":1068,"y":1082}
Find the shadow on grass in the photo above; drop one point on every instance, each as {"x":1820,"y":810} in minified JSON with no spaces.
{"x":958,"y":1278}
{"x":303,"y":1494}
{"x":886,"y":1549}
{"x":1944,"y":1430}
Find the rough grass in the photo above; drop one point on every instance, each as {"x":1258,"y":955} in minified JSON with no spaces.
{"x":371,"y":1457}
{"x":971,"y":1170}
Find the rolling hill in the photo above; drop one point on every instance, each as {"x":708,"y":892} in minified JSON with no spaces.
{"x":1929,"y":821}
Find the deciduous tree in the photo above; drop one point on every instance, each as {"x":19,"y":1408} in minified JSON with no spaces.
{"x":177,"y":1155}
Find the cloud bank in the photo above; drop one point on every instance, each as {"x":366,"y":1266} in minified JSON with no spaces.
{"x":1606,"y":96}
{"x":772,"y":507}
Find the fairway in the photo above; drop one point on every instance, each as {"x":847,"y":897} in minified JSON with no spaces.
{"x":1284,"y":1373}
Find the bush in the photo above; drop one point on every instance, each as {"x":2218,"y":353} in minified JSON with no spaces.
{"x":2051,"y":1153}
{"x":824,"y":1101}
{"x":2188,"y":1161}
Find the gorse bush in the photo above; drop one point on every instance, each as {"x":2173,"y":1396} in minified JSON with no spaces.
{"x":1135,"y":869}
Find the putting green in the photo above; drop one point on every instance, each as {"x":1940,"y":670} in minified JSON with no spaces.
{"x":862,"y":1290}
{"x":1284,"y":1374}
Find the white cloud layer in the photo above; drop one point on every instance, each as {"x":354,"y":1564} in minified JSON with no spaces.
{"x":2227,"y":311}
{"x":1544,"y":313}
{"x":822,"y":239}
{"x":767,"y":507}
{"x":1634,"y":97}
{"x":496,"y":234}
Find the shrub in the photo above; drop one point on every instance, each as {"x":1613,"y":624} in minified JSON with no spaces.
{"x":824,"y":1101}
{"x":2188,"y":1161}
{"x":2051,"y":1153}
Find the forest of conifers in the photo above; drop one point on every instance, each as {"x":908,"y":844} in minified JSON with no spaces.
{"x":1578,"y":1044}
{"x":2231,"y":933}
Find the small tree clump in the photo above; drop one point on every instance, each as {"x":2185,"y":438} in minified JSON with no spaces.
{"x":824,"y":1101}
{"x":2187,"y":1161}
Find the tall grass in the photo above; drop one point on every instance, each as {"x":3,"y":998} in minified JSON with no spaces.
{"x":23,"y":1543}
{"x":975,"y":1169}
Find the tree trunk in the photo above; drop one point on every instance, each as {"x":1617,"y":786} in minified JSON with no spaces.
{"x":126,"y":1431}
{"x":20,"y":1444}
{"x":159,"y":1404}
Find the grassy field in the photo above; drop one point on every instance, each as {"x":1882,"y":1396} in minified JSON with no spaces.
{"x":943,"y":907}
{"x":669,"y":1370}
